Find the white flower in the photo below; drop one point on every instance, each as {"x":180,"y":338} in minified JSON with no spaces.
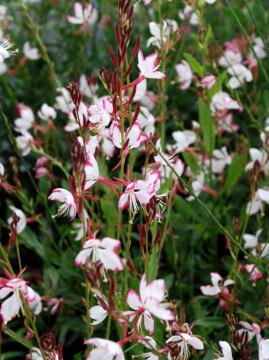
{"x":148,"y":66}
{"x":220,"y":160}
{"x":264,"y":349}
{"x":230,"y":58}
{"x":12,"y":305}
{"x":87,"y":89}
{"x":217,"y":285}
{"x":252,"y":330}
{"x":87,"y":14}
{"x":188,"y":13}
{"x":2,"y":170}
{"x":5,"y":51}
{"x":146,"y":121}
{"x":46,"y":112}
{"x":258,"y":48}
{"x":226,"y":350}
{"x":182,"y":340}
{"x":258,"y":155}
{"x":184,"y":74}
{"x":64,"y":101}
{"x":22,"y":219}
{"x":104,"y":349}
{"x":24,"y":142}
{"x":65,"y":196}
{"x":255,"y":205}
{"x":101,"y":250}
{"x":161,"y":34}
{"x":149,"y":301}
{"x":29,"y":52}
{"x":240,"y":74}
{"x":264,"y":195}
{"x":251,"y":241}
{"x":222,"y":102}
{"x":183,"y":140}
{"x":26,"y":119}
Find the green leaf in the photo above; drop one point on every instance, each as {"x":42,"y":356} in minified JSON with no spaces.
{"x":152,"y":266}
{"x":191,"y":162}
{"x":208,"y":36}
{"x":196,"y":67}
{"x":235,"y":171}
{"x":211,"y":321}
{"x":208,"y":127}
{"x":30,"y":240}
{"x":167,"y":184}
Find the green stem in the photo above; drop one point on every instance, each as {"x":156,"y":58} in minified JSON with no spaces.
{"x":209,"y":213}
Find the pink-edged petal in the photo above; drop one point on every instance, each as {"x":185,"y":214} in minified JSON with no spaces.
{"x":82,"y":257}
{"x":159,"y":310}
{"x":4,"y":292}
{"x":115,"y":134}
{"x":78,"y":10}
{"x":110,"y":243}
{"x":143,"y":288}
{"x":148,"y":322}
{"x":11,"y":307}
{"x":157,"y":289}
{"x":74,"y":20}
{"x":133,"y":300}
{"x":123,"y":201}
{"x":110,"y":260}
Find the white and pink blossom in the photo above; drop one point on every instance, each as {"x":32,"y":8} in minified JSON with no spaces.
{"x":69,"y":206}
{"x":104,"y":349}
{"x":184,"y":74}
{"x":148,"y":302}
{"x":101,"y":250}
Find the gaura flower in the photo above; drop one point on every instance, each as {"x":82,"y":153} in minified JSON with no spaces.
{"x":240,"y":74}
{"x":184,"y":74}
{"x":149,"y":301}
{"x":140,"y":191}
{"x":26,"y":119}
{"x":69,"y":205}
{"x":264,"y":349}
{"x":30,"y":52}
{"x":226,"y":351}
{"x":46,"y":112}
{"x":104,"y":349}
{"x":101,"y":250}
{"x":218,"y":285}
{"x":22,"y":219}
{"x":183,"y":341}
{"x":230,"y":58}
{"x":11,"y":306}
{"x":24,"y":142}
{"x":252,"y":330}
{"x":148,"y":66}
{"x":83,"y":15}
{"x":221,"y":103}
{"x":5,"y":51}
{"x":133,"y":136}
{"x":208,"y":81}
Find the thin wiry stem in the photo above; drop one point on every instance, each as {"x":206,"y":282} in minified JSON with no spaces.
{"x":209,"y":213}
